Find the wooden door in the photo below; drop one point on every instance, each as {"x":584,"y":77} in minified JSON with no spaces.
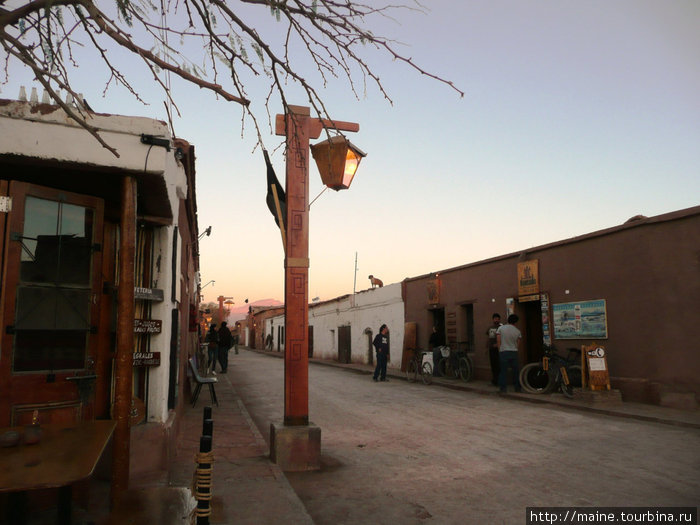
{"x":344,"y":346}
{"x":50,"y":306}
{"x":410,"y":342}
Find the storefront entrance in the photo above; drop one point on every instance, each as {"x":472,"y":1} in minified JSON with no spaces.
{"x":437,"y":320}
{"x":531,"y":327}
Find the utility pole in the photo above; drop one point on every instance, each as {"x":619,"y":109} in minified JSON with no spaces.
{"x":354,"y":282}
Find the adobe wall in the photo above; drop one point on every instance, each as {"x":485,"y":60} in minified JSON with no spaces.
{"x":649,"y":275}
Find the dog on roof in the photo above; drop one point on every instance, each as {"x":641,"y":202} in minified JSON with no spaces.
{"x":375,"y":282}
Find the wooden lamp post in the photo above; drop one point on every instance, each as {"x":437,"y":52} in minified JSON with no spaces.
{"x":296,"y":444}
{"x":221,"y":300}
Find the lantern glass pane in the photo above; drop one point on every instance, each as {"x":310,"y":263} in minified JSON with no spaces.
{"x":351,"y":162}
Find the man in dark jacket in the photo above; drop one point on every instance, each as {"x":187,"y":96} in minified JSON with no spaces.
{"x":381,"y":345}
{"x":225,"y":342}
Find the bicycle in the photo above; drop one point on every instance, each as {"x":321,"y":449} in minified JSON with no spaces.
{"x":416,"y":364}
{"x":455,"y":364}
{"x":553,"y":373}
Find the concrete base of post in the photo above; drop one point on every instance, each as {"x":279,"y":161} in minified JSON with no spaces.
{"x":599,"y":397}
{"x":295,"y":448}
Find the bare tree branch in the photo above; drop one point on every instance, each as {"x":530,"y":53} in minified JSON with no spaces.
{"x":333,"y":34}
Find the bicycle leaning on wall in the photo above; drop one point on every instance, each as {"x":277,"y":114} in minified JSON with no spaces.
{"x":554,"y":372}
{"x":416,"y":365}
{"x":455,"y":362}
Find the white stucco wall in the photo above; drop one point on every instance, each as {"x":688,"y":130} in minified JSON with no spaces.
{"x":276,"y":322}
{"x":371,"y":309}
{"x":273,"y":325}
{"x":158,"y":376}
{"x":46,"y":132}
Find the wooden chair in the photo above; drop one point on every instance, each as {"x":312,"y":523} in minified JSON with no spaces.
{"x":199,"y":380}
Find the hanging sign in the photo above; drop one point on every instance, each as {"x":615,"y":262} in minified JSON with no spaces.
{"x":146,"y":358}
{"x":529,"y":279}
{"x":147,"y":326}
{"x":148,"y":294}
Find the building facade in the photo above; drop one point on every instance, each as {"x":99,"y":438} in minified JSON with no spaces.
{"x":67,"y":219}
{"x":632,"y":288}
{"x":342,"y":329}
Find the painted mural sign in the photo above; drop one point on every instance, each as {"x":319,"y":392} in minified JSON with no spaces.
{"x":433,"y":291}
{"x":581,"y":320}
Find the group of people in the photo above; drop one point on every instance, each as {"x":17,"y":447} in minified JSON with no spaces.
{"x":220,"y":342}
{"x":503,"y":344}
{"x":504,"y":341}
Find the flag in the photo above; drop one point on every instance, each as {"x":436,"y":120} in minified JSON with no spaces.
{"x":274,"y":186}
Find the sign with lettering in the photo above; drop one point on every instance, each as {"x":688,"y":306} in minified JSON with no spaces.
{"x":148,"y":294}
{"x":595,"y":367}
{"x":146,"y":358}
{"x":147,"y":326}
{"x":528,"y":278}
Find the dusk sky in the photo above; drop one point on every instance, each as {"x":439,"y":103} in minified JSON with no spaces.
{"x":576,"y":117}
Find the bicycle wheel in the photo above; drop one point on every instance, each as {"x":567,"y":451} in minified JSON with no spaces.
{"x":453,"y":369}
{"x":442,"y":367}
{"x":411,"y":371}
{"x":427,"y":373}
{"x":465,"y":369}
{"x":567,"y":390}
{"x":575,"y":375}
{"x":534,"y":379}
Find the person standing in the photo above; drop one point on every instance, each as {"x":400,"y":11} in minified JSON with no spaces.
{"x":225,"y":343}
{"x":509,"y":339}
{"x":435,"y":343}
{"x":212,"y":340}
{"x":381,"y":345}
{"x":492,"y":348}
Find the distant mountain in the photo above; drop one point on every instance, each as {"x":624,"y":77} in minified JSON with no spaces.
{"x":240,"y":312}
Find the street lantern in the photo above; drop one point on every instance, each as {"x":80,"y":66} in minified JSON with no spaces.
{"x":228,"y":303}
{"x":337,"y":160}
